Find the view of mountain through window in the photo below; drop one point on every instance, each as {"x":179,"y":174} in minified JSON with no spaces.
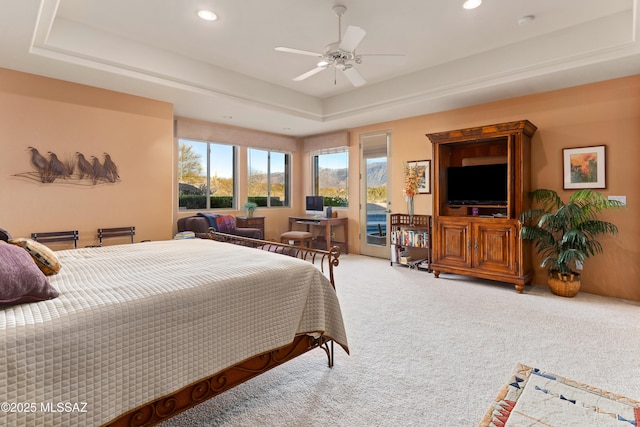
{"x":331,"y":177}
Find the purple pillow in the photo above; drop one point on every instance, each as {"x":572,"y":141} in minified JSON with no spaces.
{"x":21,"y":280}
{"x":226,"y":223}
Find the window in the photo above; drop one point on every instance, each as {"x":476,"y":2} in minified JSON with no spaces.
{"x":268,"y":179}
{"x":331,"y":176}
{"x":206,"y":175}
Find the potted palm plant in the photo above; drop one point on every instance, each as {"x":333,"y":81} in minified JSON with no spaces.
{"x":249,"y":208}
{"x":565,"y":234}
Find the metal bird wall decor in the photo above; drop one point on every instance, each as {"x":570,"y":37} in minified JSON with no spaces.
{"x":74,"y":170}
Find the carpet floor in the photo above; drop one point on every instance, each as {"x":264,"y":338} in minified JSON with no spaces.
{"x":434,"y":352}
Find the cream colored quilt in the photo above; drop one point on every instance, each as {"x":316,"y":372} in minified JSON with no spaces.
{"x":136,"y":322}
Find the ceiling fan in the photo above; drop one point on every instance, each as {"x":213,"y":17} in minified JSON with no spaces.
{"x":341,"y":54}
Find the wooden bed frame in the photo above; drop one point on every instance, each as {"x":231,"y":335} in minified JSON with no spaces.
{"x":168,"y":406}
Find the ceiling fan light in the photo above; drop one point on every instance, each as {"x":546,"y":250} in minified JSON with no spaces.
{"x":472,"y":4}
{"x":207,"y":15}
{"x":323,"y":63}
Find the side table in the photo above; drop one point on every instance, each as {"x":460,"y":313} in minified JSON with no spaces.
{"x":251,"y":222}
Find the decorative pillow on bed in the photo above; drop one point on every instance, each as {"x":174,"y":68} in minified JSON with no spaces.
{"x":44,"y":257}
{"x":21,"y":280}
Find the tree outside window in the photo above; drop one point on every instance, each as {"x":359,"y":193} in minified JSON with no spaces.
{"x":206,"y":175}
{"x":268,"y":180}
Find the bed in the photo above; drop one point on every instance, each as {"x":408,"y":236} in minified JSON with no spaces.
{"x":141,"y":332}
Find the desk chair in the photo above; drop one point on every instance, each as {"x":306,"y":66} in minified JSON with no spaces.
{"x":107,"y":233}
{"x":57,"y":236}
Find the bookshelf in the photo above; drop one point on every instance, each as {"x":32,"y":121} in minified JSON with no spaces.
{"x":410,"y":241}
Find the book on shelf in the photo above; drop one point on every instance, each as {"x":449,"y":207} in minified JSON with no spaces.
{"x":408,"y":237}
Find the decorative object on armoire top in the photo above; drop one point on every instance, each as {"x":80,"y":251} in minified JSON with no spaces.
{"x":73,"y":170}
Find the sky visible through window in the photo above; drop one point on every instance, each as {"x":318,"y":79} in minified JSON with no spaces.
{"x":221,"y":156}
{"x":335,"y":160}
{"x":258,"y":163}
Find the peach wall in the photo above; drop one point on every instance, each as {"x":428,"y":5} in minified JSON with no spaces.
{"x":62,"y":117}
{"x":605,"y":113}
{"x":52,"y":115}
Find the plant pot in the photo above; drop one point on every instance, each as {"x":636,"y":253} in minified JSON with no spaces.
{"x":249,"y":214}
{"x":564,"y":286}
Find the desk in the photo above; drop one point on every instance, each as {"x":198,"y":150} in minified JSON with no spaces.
{"x":327,"y":223}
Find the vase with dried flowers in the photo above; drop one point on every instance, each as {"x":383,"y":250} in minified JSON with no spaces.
{"x":410,"y":187}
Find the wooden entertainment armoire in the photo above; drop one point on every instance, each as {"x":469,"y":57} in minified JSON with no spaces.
{"x":483,"y":240}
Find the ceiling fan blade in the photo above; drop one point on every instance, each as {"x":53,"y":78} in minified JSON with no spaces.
{"x":309,"y":74}
{"x":352,"y":38}
{"x":298,"y":51}
{"x":383,"y":58}
{"x":354,"y":77}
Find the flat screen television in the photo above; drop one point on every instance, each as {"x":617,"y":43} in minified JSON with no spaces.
{"x":314,"y":205}
{"x":477,"y":185}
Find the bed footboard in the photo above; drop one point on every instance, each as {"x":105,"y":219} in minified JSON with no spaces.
{"x":323,"y":259}
{"x":193,"y":394}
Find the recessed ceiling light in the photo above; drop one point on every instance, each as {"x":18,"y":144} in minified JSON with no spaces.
{"x":526,"y":20}
{"x":207,"y":15}
{"x":472,"y":4}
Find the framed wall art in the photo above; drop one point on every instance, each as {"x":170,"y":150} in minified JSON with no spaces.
{"x":584,"y":167}
{"x":423,"y":171}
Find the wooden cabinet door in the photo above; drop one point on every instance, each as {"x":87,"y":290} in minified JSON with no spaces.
{"x":494,"y":247}
{"x":453,"y":247}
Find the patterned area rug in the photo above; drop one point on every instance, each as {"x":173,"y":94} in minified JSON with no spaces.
{"x":536,"y":398}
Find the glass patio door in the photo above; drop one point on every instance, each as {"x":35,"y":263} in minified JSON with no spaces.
{"x":374,"y":207}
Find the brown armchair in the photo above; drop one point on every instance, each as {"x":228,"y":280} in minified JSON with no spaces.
{"x":200,"y":224}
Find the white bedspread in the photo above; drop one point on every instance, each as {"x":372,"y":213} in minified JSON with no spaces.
{"x":136,"y":322}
